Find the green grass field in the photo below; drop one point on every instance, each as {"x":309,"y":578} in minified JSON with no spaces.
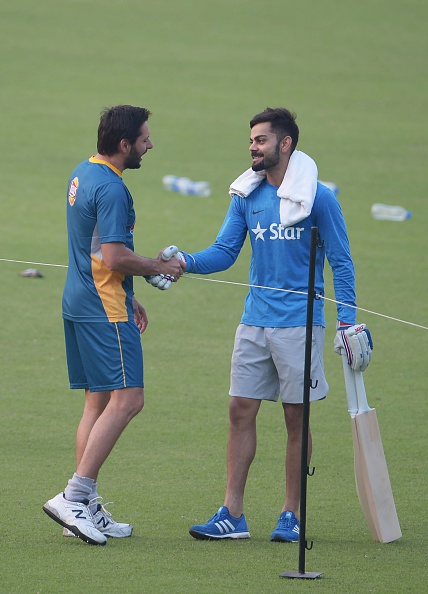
{"x":355,"y":73}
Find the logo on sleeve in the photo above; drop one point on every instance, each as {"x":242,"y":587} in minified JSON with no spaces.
{"x":72,"y":190}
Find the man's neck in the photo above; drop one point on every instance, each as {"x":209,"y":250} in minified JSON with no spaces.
{"x":115,"y":160}
{"x":275,"y":175}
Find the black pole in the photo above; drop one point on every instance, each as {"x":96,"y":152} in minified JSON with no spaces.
{"x":304,"y":469}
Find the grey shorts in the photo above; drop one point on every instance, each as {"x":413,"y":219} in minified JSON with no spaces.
{"x":269,"y":362}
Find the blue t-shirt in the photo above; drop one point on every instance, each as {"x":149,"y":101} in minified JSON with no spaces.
{"x":280,"y":257}
{"x":99,"y":210}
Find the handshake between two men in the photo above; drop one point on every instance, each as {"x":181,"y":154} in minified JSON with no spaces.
{"x":163,"y":281}
{"x":354,"y":341}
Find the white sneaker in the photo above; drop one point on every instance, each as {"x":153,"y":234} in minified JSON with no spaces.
{"x":105,"y":523}
{"x":76,"y":517}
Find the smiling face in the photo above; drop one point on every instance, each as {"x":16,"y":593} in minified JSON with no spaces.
{"x":136,"y":151}
{"x":264,"y":147}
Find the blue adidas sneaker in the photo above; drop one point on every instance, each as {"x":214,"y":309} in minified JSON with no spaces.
{"x":288,"y":528}
{"x":221,"y":525}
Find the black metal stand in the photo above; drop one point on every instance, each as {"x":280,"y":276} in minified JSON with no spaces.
{"x":304,"y":472}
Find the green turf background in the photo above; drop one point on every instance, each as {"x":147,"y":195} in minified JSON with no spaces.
{"x":355,"y":73}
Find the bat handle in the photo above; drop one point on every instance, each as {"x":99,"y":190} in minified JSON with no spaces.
{"x":361,"y":392}
{"x":169,"y":252}
{"x":351,"y":390}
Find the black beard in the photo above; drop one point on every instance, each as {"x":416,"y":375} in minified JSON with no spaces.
{"x":133,"y":160}
{"x":267,"y":162}
{"x":132,"y":165}
{"x":258,"y":166}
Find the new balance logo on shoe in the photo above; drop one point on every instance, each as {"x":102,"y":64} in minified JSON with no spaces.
{"x":103,"y":521}
{"x":75,"y":517}
{"x":79,"y":514}
{"x":105,"y":524}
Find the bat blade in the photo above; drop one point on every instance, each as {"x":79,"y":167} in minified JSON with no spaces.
{"x":372,"y":479}
{"x":371,"y":471}
{"x":360,"y":482}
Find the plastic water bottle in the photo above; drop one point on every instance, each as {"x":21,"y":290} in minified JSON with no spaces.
{"x":184,"y":185}
{"x":331,"y":186}
{"x":385,"y":212}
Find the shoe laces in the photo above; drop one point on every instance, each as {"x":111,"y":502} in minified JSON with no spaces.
{"x":285,"y":523}
{"x":218,"y":515}
{"x":99,"y":502}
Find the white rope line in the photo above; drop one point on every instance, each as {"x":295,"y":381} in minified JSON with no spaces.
{"x":34,"y":263}
{"x":214,"y":280}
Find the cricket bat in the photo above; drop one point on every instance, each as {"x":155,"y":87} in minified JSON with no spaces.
{"x":371,"y":471}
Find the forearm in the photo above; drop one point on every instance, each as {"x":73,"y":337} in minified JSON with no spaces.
{"x":344,"y":290}
{"x":224,"y":251}
{"x":121,"y":259}
{"x":213,"y":259}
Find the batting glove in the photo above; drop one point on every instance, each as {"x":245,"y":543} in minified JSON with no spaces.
{"x":356,"y":342}
{"x":164,"y":281}
{"x":160,"y":281}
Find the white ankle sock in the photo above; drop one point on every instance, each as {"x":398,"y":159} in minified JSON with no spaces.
{"x":79,"y":488}
{"x":94,"y":495}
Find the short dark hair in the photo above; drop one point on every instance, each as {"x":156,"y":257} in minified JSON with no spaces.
{"x":118,"y":123}
{"x":282,"y":123}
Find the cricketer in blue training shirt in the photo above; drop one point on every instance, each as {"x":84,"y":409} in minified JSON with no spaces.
{"x":268,"y":355}
{"x":280,"y":257}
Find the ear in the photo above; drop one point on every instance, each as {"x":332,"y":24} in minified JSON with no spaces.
{"x":286,"y":144}
{"x":124,"y":146}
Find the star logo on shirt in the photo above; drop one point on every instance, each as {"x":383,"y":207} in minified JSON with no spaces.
{"x":259,"y":232}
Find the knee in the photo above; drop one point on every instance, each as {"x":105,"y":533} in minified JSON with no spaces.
{"x":138,"y":401}
{"x":129,"y":402}
{"x":235,"y":411}
{"x":242,"y":411}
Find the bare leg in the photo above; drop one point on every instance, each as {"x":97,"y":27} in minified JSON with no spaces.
{"x":95,"y":403}
{"x":241,"y":449}
{"x":293,"y":414}
{"x":122,"y":406}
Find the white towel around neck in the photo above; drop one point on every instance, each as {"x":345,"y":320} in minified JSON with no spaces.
{"x":297,"y":191}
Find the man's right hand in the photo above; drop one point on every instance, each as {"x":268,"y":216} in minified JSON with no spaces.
{"x":163,"y":280}
{"x":171,"y":262}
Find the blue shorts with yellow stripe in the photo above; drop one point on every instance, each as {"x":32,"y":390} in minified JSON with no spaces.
{"x":103,"y":356}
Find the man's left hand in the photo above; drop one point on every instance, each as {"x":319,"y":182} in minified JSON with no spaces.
{"x":140,"y":315}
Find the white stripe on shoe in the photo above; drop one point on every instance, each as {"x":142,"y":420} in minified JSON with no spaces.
{"x":225,"y":526}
